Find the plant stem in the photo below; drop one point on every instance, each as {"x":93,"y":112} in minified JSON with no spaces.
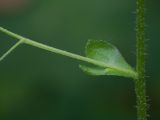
{"x":140,"y":83}
{"x":11,"y":49}
{"x":132,"y":73}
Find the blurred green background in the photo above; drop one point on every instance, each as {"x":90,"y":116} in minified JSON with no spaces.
{"x":37,"y":85}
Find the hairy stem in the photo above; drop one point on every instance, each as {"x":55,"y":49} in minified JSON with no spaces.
{"x":140,"y":83}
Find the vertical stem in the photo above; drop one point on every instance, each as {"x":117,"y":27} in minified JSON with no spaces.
{"x":140,"y":83}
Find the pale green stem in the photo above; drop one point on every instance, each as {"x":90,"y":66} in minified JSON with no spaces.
{"x":11,"y":49}
{"x":132,"y":73}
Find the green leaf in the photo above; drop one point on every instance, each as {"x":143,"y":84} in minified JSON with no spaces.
{"x":93,"y":70}
{"x":107,"y":53}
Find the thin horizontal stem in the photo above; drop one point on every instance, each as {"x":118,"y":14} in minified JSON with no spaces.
{"x":132,"y":73}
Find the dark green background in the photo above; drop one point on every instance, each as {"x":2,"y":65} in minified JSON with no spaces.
{"x":37,"y":85}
